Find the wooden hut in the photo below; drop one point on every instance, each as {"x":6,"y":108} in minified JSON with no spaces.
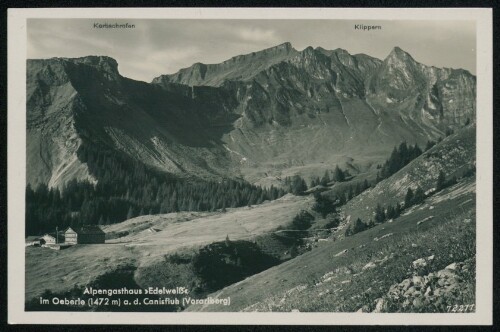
{"x":50,"y":238}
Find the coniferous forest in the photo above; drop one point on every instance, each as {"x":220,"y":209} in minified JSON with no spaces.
{"x":126,"y":189}
{"x":400,"y":157}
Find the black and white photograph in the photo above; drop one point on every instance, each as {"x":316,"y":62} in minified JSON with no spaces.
{"x":266,"y":165}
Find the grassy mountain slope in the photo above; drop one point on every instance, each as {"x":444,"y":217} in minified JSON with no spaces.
{"x":329,"y":279}
{"x":454,"y":155}
{"x":334,"y":277}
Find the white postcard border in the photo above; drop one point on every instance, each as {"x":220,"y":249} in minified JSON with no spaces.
{"x":16,"y":135}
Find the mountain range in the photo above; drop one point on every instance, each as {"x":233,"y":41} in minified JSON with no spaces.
{"x":258,"y":116}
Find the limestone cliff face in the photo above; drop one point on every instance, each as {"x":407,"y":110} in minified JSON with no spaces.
{"x":270,"y":110}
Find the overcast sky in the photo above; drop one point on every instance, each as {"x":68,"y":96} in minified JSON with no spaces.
{"x":158,"y":47}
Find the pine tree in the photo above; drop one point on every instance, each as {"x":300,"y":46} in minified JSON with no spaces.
{"x":415,"y":152}
{"x":350,"y":193}
{"x":130,"y":213}
{"x":404,"y":154}
{"x":397,"y":210}
{"x":441,"y":181}
{"x":341,"y":199}
{"x":379,"y":214}
{"x":429,"y":145}
{"x":356,"y":227}
{"x":302,"y":220}
{"x":315,"y":181}
{"x":338,"y":174}
{"x":391,"y":213}
{"x":358,"y":189}
{"x":323,"y":204}
{"x":408,"y":198}
{"x":298,"y":185}
{"x":325,"y":179}
{"x":419,"y":196}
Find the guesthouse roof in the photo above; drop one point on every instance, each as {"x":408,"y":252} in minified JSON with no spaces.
{"x":87,"y":229}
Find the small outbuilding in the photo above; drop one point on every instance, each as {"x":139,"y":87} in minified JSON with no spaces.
{"x":50,"y":238}
{"x":86,"y":234}
{"x":32,"y":241}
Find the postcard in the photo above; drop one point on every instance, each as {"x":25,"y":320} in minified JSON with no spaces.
{"x":250,"y":166}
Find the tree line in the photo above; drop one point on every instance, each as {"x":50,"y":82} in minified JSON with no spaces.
{"x":126,"y":189}
{"x":399,"y":158}
{"x":337,"y":175}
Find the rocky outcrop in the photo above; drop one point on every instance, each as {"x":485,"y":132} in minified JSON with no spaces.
{"x":430,"y":292}
{"x":426,"y":95}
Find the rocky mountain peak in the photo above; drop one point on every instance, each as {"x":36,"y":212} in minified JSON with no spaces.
{"x":280,"y":50}
{"x":397,"y":51}
{"x":398,"y":55}
{"x":240,"y":67}
{"x":341,"y":51}
{"x":308,"y":49}
{"x":287,"y":47}
{"x":308,"y":54}
{"x":99,"y":61}
{"x":102,"y":63}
